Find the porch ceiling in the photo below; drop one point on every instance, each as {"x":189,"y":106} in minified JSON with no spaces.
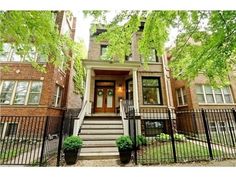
{"x":111,"y":72}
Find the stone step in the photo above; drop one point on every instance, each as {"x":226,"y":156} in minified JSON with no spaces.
{"x":100,"y":137}
{"x":104,"y":155}
{"x":102,"y":122}
{"x":101,"y":131}
{"x":101,"y":126}
{"x":99,"y":143}
{"x":98,"y":149}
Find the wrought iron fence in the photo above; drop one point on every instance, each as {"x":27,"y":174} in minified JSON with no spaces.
{"x":29,"y":140}
{"x":181,"y":136}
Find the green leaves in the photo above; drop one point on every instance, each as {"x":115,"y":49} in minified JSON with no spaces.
{"x":206,"y":42}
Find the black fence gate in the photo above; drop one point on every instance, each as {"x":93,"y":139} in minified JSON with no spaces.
{"x":167,"y":136}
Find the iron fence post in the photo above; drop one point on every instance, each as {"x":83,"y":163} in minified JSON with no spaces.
{"x":234,"y":113}
{"x":230,"y":129}
{"x":172,"y":136}
{"x":60,"y":141}
{"x":44,"y":141}
{"x":135,"y":144}
{"x":207,"y":133}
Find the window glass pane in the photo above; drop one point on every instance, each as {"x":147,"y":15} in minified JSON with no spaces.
{"x":34,"y":98}
{"x":200,"y":98}
{"x":16,"y":55}
{"x":11,"y":129}
{"x":199,"y":89}
{"x":180,"y":101}
{"x":36,"y":86}
{"x":103,"y":49}
{"x":228,"y":99}
{"x":222,"y":126}
{"x":31,"y":55}
{"x":213,"y":126}
{"x":152,"y":57}
{"x":210,"y":98}
{"x":185,"y":99}
{"x":21,"y":91}
{"x":217,"y":91}
{"x":4,"y":53}
{"x":153,"y":128}
{"x":150,"y":82}
{"x":151,"y":96}
{"x":226,"y":90}
{"x":6,"y":93}
{"x":219,"y":98}
{"x":178,"y":93}
{"x":208,"y":89}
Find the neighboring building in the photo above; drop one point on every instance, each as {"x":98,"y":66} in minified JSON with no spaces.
{"x":200,"y":95}
{"x":24,"y":91}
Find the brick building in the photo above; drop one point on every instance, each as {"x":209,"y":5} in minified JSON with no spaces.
{"x":24,"y":91}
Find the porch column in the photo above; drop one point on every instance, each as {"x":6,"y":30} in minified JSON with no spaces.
{"x":135,"y":100}
{"x":135,"y":90}
{"x":87,"y":88}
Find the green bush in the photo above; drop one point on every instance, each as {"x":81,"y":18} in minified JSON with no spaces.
{"x":124,"y":143}
{"x":163,"y":137}
{"x":72,"y":143}
{"x":141,"y":140}
{"x":179,"y":137}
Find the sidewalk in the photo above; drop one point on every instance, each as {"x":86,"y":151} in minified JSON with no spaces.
{"x":116,"y":163}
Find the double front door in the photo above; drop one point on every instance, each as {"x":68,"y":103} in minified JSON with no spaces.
{"x":104,"y":99}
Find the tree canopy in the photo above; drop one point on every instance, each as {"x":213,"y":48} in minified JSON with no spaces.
{"x":38,"y":29}
{"x":206,"y":41}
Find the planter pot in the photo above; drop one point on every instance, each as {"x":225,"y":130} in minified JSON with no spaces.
{"x":71,"y":156}
{"x":125,"y":155}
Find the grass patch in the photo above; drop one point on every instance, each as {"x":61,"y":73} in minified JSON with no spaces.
{"x":162,"y":152}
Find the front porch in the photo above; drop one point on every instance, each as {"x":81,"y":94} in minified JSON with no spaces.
{"x":107,"y":83}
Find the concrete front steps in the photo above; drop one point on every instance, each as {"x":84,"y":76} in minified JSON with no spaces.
{"x":99,"y":134}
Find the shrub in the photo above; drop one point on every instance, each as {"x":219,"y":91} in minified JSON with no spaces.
{"x":141,"y":140}
{"x":163,"y":137}
{"x":124,"y":143}
{"x":72,"y":143}
{"x":179,"y":137}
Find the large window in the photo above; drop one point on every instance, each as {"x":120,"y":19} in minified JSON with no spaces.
{"x":206,"y":94}
{"x":57,"y":96}
{"x":9,"y":53}
{"x":151,"y":90}
{"x":181,"y":96}
{"x":20,"y":92}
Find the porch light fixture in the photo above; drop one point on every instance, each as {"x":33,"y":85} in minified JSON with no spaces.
{"x":120,"y":87}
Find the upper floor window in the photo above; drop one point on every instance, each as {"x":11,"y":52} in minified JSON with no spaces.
{"x":181,"y":96}
{"x":57,"y":96}
{"x":153,"y":57}
{"x":103,"y":51}
{"x":20,"y":92}
{"x":206,"y":94}
{"x":10,"y":53}
{"x":151,"y":90}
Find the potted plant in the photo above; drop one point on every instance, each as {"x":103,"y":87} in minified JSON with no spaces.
{"x":71,"y":146}
{"x":125,"y":146}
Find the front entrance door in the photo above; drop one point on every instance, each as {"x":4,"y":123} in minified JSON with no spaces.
{"x":104,"y":99}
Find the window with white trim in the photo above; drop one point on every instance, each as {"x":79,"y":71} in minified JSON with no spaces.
{"x":9,"y":53}
{"x":181,"y":96}
{"x":57,"y":96}
{"x":206,"y":94}
{"x":20,"y":92}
